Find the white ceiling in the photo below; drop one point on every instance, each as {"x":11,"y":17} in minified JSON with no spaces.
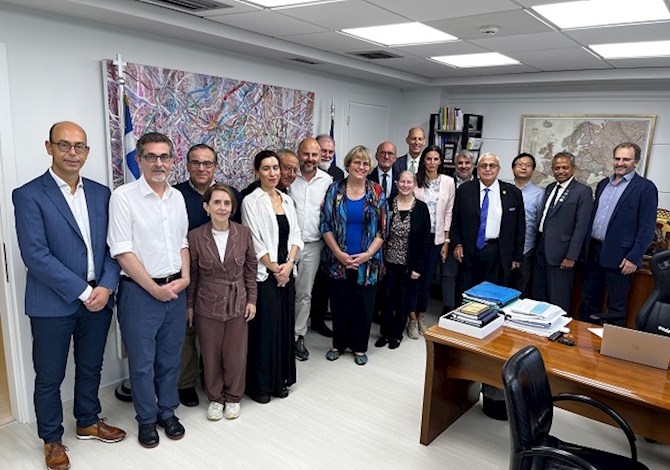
{"x":548,"y":57}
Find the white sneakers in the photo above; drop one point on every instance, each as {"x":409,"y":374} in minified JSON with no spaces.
{"x":413,"y":329}
{"x":216,"y":411}
{"x":232,"y":410}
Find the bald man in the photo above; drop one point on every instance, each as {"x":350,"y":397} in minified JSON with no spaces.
{"x":307,"y":191}
{"x":416,"y":140}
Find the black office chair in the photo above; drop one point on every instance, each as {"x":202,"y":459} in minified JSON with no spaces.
{"x":654,"y":315}
{"x":530,"y":412}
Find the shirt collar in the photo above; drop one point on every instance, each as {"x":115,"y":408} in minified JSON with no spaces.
{"x":495,"y":186}
{"x":145,"y":189}
{"x":60,"y":182}
{"x":565,"y":184}
{"x":190,"y":183}
{"x":628,"y":176}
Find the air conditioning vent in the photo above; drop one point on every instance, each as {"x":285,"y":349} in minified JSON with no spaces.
{"x":375,"y":55}
{"x":189,"y":6}
{"x":304,"y":61}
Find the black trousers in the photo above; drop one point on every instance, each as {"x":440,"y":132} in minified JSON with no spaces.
{"x":352,"y":306}
{"x":401,"y":293}
{"x":596,"y":279}
{"x":485,"y":266}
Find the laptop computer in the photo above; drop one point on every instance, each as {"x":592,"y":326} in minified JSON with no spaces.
{"x":636,"y":346}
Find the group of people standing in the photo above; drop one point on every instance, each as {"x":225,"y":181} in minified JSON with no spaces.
{"x":245,"y":274}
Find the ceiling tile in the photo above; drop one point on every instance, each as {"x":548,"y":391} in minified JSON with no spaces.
{"x":525,"y":42}
{"x":510,"y":23}
{"x":329,"y":41}
{"x":348,"y":14}
{"x":442,"y":9}
{"x":632,"y":33}
{"x":268,"y":23}
{"x":552,"y":60}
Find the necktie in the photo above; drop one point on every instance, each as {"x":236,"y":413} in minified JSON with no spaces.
{"x":481,"y":235}
{"x":385,"y":184}
{"x":553,"y":200}
{"x":412,"y":166}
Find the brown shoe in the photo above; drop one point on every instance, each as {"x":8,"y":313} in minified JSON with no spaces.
{"x":102,"y":432}
{"x":55,"y":456}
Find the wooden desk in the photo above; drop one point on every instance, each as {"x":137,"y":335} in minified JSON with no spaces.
{"x":456,"y":364}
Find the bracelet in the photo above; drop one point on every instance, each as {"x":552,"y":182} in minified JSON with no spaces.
{"x":289,"y":260}
{"x":446,"y":240}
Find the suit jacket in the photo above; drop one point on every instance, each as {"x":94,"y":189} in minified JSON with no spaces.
{"x":374,"y":176}
{"x":53,"y":249}
{"x":566,"y":225}
{"x":400,"y":164}
{"x":465,"y":223}
{"x":631,"y":228}
{"x":221,"y":291}
{"x":336,"y":172}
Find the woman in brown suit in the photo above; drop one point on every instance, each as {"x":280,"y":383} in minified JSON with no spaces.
{"x":221,"y":299}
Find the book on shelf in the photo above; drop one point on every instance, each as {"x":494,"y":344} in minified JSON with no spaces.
{"x":448,"y":322}
{"x":450,"y":119}
{"x":474,"y":143}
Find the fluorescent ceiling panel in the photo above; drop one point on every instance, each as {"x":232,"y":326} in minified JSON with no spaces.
{"x":584,"y":14}
{"x":468,"y":61}
{"x":627,"y":50}
{"x":400,"y":34}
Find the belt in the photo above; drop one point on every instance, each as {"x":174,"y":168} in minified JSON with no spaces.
{"x":159,"y":280}
{"x":491,"y":240}
{"x":595,"y":241}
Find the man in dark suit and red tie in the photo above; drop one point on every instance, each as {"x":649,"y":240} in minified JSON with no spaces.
{"x":622,"y":227}
{"x":488,"y":226}
{"x":61,"y":226}
{"x":564,"y":223}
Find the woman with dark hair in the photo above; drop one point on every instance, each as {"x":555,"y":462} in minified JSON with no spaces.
{"x":353,"y":223}
{"x":221,"y":299}
{"x":271,"y":216}
{"x":405,"y":250}
{"x":438,"y":192}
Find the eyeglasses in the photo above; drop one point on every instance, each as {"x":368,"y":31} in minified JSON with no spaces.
{"x":488,"y":166}
{"x":65,"y":146}
{"x":361,"y":164}
{"x":152,"y":157}
{"x":386,"y":154}
{"x":523,"y":165}
{"x":197,"y":164}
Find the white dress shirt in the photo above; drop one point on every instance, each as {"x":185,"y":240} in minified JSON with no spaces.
{"x":151,"y":227}
{"x":494,"y":215}
{"x":260,"y":217}
{"x":308,"y":197}
{"x":77,"y":204}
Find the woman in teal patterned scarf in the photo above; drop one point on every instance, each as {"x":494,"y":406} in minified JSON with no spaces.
{"x":354,"y":223}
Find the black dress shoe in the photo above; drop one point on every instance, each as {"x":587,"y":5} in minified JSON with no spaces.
{"x":123,"y":393}
{"x":173,"y":428}
{"x":262,"y":398}
{"x":601,"y":319}
{"x":323,"y":329}
{"x":147,"y":435}
{"x":394,"y":343}
{"x":381,"y":342}
{"x":301,"y":352}
{"x":188,"y":396}
{"x":283,"y":393}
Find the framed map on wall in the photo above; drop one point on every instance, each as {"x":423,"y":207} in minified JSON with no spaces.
{"x":591,"y":138}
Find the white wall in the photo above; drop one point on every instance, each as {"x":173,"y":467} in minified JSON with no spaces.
{"x":502,"y":120}
{"x":55,"y":74}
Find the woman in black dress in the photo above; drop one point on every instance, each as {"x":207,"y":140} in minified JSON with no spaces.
{"x":271,"y":216}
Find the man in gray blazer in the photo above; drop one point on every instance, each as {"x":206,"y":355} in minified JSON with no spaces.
{"x":563,"y":228}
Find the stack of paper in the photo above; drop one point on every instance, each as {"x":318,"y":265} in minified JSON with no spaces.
{"x":491,"y":294}
{"x":531,"y":316}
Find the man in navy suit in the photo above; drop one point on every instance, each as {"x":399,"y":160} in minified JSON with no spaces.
{"x":622,"y":227}
{"x":385,"y":169}
{"x":416,"y":140}
{"x":61,"y":226}
{"x":488,"y":226}
{"x":563,"y":226}
{"x":327,"y":145}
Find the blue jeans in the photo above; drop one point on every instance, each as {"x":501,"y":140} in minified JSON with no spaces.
{"x":51,"y":345}
{"x":153,"y":333}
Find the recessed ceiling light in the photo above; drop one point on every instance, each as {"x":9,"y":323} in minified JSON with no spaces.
{"x":627,"y":50}
{"x":466,"y":61}
{"x":402,"y":34}
{"x":279,"y":4}
{"x":584,"y":14}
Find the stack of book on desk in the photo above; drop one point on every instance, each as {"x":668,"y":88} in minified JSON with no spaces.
{"x":491,"y":294}
{"x":538,"y":318}
{"x":473,"y":319}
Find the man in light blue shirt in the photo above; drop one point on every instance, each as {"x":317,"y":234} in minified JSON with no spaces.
{"x":523,"y":166}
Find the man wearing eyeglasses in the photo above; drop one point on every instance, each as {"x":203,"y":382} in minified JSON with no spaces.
{"x":488,"y":226}
{"x":61,"y":226}
{"x":523,"y":166}
{"x":148,"y":225}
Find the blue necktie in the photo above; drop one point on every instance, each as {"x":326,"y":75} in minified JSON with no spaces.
{"x":481,"y":235}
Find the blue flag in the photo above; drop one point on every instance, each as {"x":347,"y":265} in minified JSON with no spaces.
{"x":132,"y":169}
